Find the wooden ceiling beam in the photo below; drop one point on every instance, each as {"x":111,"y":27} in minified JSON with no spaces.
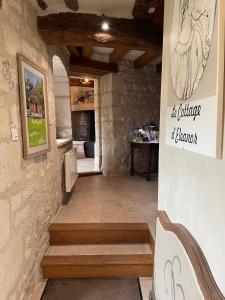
{"x":79,"y":82}
{"x":87,"y":51}
{"x":141,"y":11}
{"x":79,"y":30}
{"x":72,"y":4}
{"x":117,"y":55}
{"x":146,"y":58}
{"x":90,"y":67}
{"x":42,"y":4}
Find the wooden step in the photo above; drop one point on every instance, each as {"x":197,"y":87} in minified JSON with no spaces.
{"x":97,"y":266}
{"x":99,"y":233}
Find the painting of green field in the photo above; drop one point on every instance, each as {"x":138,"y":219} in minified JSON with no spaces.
{"x":35,"y":104}
{"x":37,"y":132}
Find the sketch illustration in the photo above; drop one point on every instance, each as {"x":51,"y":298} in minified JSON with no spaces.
{"x":191,"y":39}
{"x":172,"y":274}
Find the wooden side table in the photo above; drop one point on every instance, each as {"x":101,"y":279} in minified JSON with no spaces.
{"x":153,"y":149}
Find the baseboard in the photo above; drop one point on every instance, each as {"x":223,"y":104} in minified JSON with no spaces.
{"x":86,"y":174}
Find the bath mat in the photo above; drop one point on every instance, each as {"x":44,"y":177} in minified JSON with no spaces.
{"x":93,"y":289}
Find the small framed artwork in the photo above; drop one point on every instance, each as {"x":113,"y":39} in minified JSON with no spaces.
{"x":33,"y":108}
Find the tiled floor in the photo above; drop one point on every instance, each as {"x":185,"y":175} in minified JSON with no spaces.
{"x":112,"y":199}
{"x":86,"y":165}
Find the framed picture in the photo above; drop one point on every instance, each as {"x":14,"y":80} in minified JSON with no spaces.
{"x":196,"y":86}
{"x":34,"y":108}
{"x":82,"y":94}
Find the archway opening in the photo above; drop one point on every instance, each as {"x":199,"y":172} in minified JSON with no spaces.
{"x":62,"y":100}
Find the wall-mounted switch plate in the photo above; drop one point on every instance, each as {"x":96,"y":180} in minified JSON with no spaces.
{"x":14,"y":134}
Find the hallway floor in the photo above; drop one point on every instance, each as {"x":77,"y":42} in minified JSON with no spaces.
{"x":86,"y":165}
{"x":113,"y":200}
{"x":100,"y":199}
{"x":103,"y":199}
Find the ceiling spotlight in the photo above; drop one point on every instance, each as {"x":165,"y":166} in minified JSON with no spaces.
{"x":105,"y":26}
{"x":152,"y":9}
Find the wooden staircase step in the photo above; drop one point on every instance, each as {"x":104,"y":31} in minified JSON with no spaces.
{"x":97,"y":266}
{"x":99,"y":233}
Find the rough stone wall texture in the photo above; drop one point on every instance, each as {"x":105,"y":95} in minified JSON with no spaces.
{"x":129,"y":98}
{"x":30,"y":191}
{"x":106,"y":96}
{"x":98,"y":133}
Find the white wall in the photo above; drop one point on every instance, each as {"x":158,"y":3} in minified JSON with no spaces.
{"x":192,"y":186}
{"x":62,"y":99}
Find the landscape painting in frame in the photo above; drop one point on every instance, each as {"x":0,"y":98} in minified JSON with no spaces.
{"x":196,"y":76}
{"x":34,"y":108}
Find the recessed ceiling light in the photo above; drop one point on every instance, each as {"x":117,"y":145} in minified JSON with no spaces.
{"x":152,"y":10}
{"x":105,"y":26}
{"x":86,"y":80}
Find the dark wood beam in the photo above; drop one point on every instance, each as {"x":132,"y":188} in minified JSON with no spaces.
{"x":90,"y":67}
{"x":73,"y":50}
{"x":87,"y":51}
{"x":72,"y":4}
{"x":141,"y":11}
{"x":80,"y":82}
{"x":79,"y":30}
{"x":146,"y":58}
{"x":42,"y":4}
{"x":118,"y":54}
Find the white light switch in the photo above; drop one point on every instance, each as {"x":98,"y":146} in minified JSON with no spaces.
{"x":14,"y":134}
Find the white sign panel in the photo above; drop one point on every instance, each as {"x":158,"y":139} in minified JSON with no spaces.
{"x":193,"y":126}
{"x":196,"y":81}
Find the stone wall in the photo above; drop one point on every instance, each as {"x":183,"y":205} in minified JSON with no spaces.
{"x":129,"y":98}
{"x":98,"y":133}
{"x":30,"y":191}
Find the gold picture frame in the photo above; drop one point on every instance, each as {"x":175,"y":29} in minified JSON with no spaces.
{"x":33,"y":108}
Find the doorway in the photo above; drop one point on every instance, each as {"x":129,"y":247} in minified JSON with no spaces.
{"x":85,"y":125}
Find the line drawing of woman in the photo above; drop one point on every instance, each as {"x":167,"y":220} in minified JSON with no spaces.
{"x":191,"y":38}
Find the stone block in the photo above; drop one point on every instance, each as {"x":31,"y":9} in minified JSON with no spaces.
{"x":29,"y":50}
{"x":21,"y":216}
{"x":16,"y":201}
{"x":14,"y":114}
{"x":11,"y":39}
{"x":4,"y":223}
{"x":11,"y":263}
{"x":5,"y":130}
{"x":10,"y":165}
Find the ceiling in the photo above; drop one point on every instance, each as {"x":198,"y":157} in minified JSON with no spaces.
{"x":133,"y":33}
{"x":110,"y":8}
{"x":131,"y":55}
